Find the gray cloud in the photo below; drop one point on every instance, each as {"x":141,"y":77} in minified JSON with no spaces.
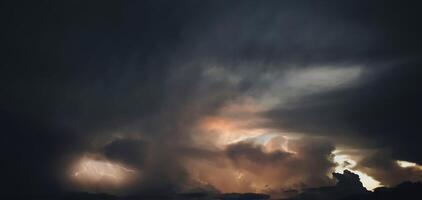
{"x":132,"y":81}
{"x":382,"y":109}
{"x":132,"y":152}
{"x":384,"y":168}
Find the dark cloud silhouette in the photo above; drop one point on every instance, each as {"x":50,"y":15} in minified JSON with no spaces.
{"x":348,"y":184}
{"x":349,"y":180}
{"x":350,"y":187}
{"x":406,"y":190}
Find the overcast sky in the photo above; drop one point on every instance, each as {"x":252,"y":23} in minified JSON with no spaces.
{"x":228,"y":96}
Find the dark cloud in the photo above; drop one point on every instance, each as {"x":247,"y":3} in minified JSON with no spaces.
{"x":383,"y":108}
{"x":132,"y":152}
{"x":349,"y":180}
{"x":348,"y":184}
{"x":384,"y":168}
{"x":353,"y":190}
{"x":131,"y":80}
{"x":32,"y":155}
{"x":306,"y":166}
{"x":248,"y":151}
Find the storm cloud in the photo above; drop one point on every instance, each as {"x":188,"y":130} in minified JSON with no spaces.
{"x":228,"y":96}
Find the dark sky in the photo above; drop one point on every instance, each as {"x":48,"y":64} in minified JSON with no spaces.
{"x":261,"y":94}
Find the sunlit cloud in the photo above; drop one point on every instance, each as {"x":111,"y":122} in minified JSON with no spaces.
{"x":405,"y":164}
{"x":277,"y":89}
{"x":345,"y":162}
{"x":91,"y":172}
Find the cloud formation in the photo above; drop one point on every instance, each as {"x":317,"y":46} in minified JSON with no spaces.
{"x":219,"y":95}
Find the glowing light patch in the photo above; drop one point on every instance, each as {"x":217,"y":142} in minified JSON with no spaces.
{"x":405,"y":164}
{"x":91,"y":171}
{"x":345,"y":162}
{"x":224,"y":131}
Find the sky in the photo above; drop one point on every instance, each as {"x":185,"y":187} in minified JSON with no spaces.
{"x":136,"y":97}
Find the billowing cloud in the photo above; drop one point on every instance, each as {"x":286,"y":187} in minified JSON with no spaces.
{"x":218,"y":95}
{"x":251,"y":166}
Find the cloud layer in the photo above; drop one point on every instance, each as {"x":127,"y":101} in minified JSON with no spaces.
{"x":212,"y":95}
